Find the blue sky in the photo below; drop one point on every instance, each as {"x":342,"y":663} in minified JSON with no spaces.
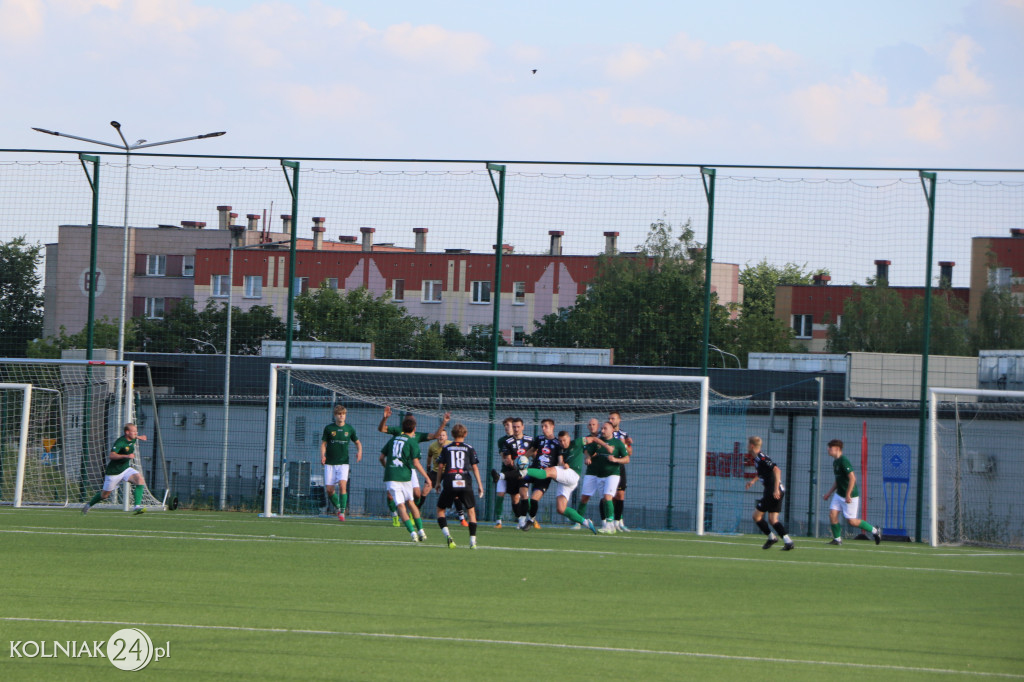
{"x":920,"y":84}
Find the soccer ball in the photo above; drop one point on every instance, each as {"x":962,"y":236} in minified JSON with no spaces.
{"x":522,"y":463}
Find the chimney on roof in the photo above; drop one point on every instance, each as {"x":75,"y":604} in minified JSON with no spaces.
{"x":421,"y":239}
{"x":882,"y":271}
{"x":822,"y":280}
{"x":610,"y":239}
{"x":946,"y":273}
{"x":193,"y":224}
{"x":224,"y":222}
{"x":286,"y":223}
{"x":318,"y":233}
{"x":1017,"y":232}
{"x":506,"y":249}
{"x":367,"y":237}
{"x":253,"y":219}
{"x":348,"y":238}
{"x":237,"y":235}
{"x":556,"y":242}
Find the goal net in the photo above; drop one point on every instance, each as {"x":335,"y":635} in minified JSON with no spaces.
{"x":71,"y":422}
{"x":977,"y":467}
{"x":666,"y":416}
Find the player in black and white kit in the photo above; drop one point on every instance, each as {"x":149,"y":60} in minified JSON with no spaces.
{"x":547,"y":450}
{"x":619,"y":501}
{"x":770,"y":503}
{"x":518,"y":444}
{"x":500,"y":484}
{"x":454,"y":465}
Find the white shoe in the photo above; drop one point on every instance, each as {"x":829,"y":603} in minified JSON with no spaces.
{"x":138,"y":509}
{"x":619,"y":525}
{"x":574,"y":526}
{"x":423,"y":536}
{"x":606,"y":528}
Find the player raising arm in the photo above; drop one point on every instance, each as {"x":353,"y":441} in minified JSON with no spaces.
{"x":399,"y":457}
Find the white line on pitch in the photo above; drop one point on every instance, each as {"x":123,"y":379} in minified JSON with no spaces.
{"x":544,"y":645}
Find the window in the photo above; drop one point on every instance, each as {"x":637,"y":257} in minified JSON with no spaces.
{"x":999,"y":278}
{"x":330,"y":283}
{"x":188,"y":266}
{"x":220,"y":285}
{"x":431,"y":291}
{"x":519,"y":293}
{"x":802,"y":325}
{"x":155,"y":308}
{"x":481,"y":291}
{"x":253,"y":286}
{"x":517,"y":336}
{"x":398,"y":290}
{"x":301,"y":284}
{"x":156,"y":265}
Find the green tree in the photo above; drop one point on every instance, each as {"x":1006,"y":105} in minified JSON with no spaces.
{"x":647,"y":307}
{"x":184,"y":329}
{"x":105,"y":332}
{"x":358,"y":316}
{"x":877,"y":320}
{"x":757,"y":330}
{"x":21,"y":299}
{"x":1000,"y":324}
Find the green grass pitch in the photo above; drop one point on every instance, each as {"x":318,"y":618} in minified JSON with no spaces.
{"x":243,"y":598}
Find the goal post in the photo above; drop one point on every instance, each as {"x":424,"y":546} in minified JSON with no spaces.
{"x":976,"y":466}
{"x":72,"y":419}
{"x":24,"y":415}
{"x":485,"y":397}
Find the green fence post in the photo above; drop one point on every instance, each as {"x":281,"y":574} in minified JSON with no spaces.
{"x":293,"y":187}
{"x":499,"y":192}
{"x":922,"y":418}
{"x":709,"y":192}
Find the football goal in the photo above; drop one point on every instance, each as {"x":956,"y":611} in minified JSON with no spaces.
{"x":672,"y":412}
{"x":59,"y":420}
{"x":976,"y":462}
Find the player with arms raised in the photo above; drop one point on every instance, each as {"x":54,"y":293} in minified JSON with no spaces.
{"x":418,"y":494}
{"x":399,"y":457}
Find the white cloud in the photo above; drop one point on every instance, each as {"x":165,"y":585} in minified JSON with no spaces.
{"x":461,"y":51}
{"x":328,"y":102}
{"x":962,"y":79}
{"x":176,"y":15}
{"x":833,"y":113}
{"x":632,"y":61}
{"x":21,"y":20}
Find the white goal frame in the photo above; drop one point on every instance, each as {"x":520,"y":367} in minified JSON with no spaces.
{"x":26,"y":412}
{"x":277,"y":367}
{"x":933,"y":445}
{"x":127,"y":414}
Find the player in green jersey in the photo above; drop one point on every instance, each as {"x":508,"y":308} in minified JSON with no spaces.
{"x":334,"y":456}
{"x":418,"y":495}
{"x":845,"y":496}
{"x":567,"y":475}
{"x":605,"y":454}
{"x":399,"y":457}
{"x":119,"y":468}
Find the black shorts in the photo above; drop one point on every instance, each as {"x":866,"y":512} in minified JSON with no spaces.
{"x":432,"y":475}
{"x":513,"y":482}
{"x":449,"y":495}
{"x":768,"y":504}
{"x":540,"y":485}
{"x":622,"y":479}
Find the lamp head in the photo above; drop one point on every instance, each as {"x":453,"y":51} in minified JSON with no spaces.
{"x":117,"y":126}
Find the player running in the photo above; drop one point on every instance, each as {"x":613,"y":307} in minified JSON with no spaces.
{"x":399,"y":457}
{"x":456,"y":461}
{"x":770,"y":475}
{"x":119,"y":468}
{"x":420,"y":437}
{"x":845,"y":496}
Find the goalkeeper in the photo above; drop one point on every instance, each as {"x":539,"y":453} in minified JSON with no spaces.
{"x":119,"y":468}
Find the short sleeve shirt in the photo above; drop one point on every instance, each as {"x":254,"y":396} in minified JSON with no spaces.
{"x":399,"y":455}
{"x":122,"y":446}
{"x":842,"y":468}
{"x":338,"y":439}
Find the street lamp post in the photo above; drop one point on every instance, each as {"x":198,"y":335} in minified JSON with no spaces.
{"x":128,"y":149}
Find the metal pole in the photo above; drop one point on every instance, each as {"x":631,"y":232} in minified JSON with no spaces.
{"x":227,"y":383}
{"x":94,"y":183}
{"x":709,"y":192}
{"x":499,"y":191}
{"x":922,"y":419}
{"x":671,"y":472}
{"x":293,"y":186}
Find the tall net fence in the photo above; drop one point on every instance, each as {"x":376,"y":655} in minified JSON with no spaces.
{"x":397,"y":262}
